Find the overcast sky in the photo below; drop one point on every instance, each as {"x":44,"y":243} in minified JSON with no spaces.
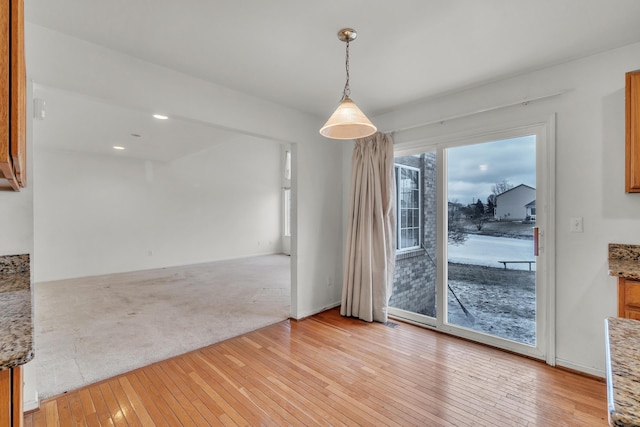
{"x":474,"y":169}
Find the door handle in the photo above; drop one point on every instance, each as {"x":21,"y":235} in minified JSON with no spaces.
{"x":535,"y":241}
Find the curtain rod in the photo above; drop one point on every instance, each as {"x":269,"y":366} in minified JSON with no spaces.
{"x":523,"y":102}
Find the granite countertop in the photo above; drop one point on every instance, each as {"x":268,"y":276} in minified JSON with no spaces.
{"x":16,"y":326}
{"x":623,"y":371}
{"x":624,"y":261}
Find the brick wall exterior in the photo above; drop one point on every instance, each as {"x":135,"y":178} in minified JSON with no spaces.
{"x":414,"y":281}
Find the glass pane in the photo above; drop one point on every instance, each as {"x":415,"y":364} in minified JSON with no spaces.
{"x":403,"y":239}
{"x":287,"y":212}
{"x":414,"y":236}
{"x":491,"y":267}
{"x":414,"y":284}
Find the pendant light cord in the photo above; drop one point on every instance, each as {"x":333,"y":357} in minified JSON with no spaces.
{"x":347,"y":89}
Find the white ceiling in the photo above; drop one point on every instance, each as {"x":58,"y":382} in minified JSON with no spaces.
{"x":76,"y":122}
{"x":286,"y":51}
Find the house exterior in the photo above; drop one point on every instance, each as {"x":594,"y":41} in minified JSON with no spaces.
{"x":531,"y":209}
{"x":414,"y":286}
{"x":511,"y":205}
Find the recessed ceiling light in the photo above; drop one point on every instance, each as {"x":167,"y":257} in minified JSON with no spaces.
{"x":160,"y":117}
{"x":117,"y":147}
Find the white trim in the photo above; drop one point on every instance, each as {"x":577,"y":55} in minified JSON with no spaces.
{"x":397,"y":166}
{"x":31,"y":404}
{"x":522,"y":102}
{"x":309,"y":313}
{"x":581,"y":368}
{"x":411,"y":317}
{"x":550,"y":225}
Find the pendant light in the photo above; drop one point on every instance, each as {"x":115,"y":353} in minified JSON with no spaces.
{"x":348,"y":121}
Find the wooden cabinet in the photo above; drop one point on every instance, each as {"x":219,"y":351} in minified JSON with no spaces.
{"x":11,"y":413}
{"x":632,"y":164}
{"x":12,"y":96}
{"x":628,"y":298}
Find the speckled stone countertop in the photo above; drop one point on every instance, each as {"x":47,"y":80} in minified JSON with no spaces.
{"x":16,"y":326}
{"x":624,"y":261}
{"x":623,"y":371}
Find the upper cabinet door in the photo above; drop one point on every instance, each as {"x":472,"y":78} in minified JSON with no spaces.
{"x":18,"y":93}
{"x":12,"y":96}
{"x":632,"y":179}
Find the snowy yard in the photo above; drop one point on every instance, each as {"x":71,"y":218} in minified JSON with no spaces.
{"x":500,"y":302}
{"x":488,"y":250}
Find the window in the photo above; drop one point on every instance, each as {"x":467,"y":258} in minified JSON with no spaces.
{"x":287,"y":212}
{"x":286,"y":187}
{"x":408,"y":226}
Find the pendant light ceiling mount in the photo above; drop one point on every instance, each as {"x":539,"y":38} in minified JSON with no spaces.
{"x":347,"y":35}
{"x":348,"y":121}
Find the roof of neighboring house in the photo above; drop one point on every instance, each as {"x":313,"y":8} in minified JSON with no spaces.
{"x":514,"y":188}
{"x":530,"y":204}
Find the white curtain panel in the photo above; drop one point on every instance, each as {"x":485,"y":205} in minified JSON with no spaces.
{"x":370,"y":256}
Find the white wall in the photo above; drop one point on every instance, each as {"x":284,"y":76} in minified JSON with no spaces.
{"x":590,"y":145}
{"x":100,"y":214}
{"x":59,"y":61}
{"x":64,"y":62}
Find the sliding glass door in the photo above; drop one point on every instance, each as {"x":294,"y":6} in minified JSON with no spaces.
{"x":467,"y":226}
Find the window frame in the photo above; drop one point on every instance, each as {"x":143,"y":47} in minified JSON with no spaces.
{"x":399,"y":250}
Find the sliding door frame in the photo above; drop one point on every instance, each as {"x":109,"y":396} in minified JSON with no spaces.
{"x":544,"y":131}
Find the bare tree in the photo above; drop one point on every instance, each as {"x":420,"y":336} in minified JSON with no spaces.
{"x":456,"y":233}
{"x":500,"y":187}
{"x":496,"y":189}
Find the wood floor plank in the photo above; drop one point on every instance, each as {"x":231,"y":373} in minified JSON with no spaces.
{"x":178,"y":394}
{"x":115,"y":412}
{"x":169,"y":399}
{"x":136,"y":403}
{"x":77,"y":411}
{"x":233,"y":394}
{"x":64,"y":411}
{"x":313,"y":393}
{"x":51,"y":413}
{"x":272,"y":407}
{"x":87,"y":403}
{"x":128,"y":411}
{"x":253,"y":373}
{"x":331,"y":370}
{"x":102,"y":412}
{"x":158,"y":412}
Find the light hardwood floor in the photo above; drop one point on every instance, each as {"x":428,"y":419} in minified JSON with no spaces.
{"x":330,"y":370}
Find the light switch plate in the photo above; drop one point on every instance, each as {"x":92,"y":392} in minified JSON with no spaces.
{"x":575,"y":224}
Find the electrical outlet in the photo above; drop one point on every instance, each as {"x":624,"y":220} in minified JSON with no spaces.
{"x":575,"y":224}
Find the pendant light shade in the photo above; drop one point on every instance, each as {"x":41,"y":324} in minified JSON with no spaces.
{"x":348,"y":121}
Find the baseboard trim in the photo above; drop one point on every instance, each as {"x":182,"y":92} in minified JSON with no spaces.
{"x":31,"y":405}
{"x":579,"y":369}
{"x":316,"y":311}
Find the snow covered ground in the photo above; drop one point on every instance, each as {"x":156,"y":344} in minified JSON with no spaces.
{"x":488,"y":250}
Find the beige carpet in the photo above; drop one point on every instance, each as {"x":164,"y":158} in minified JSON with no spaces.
{"x":92,"y":328}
